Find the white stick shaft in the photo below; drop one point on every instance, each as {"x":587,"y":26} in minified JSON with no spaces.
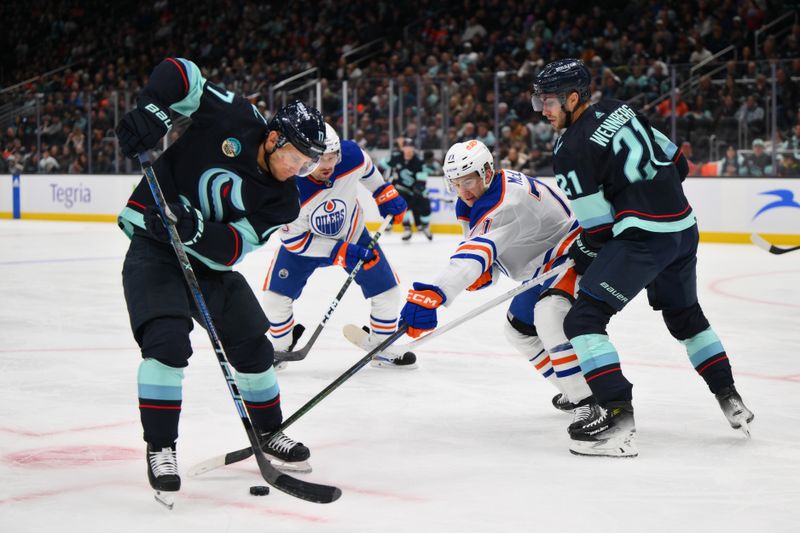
{"x":488,"y":305}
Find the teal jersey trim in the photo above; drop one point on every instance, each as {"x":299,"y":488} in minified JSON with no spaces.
{"x":702,"y":347}
{"x":667,"y":146}
{"x":594,"y":351}
{"x":128,"y":218}
{"x":260,"y":387}
{"x":191,"y":102}
{"x":653,"y":226}
{"x":593,"y":210}
{"x":158,"y":381}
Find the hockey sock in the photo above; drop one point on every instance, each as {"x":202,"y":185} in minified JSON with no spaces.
{"x":262,"y":398}
{"x":281,"y":319}
{"x":599,"y":361}
{"x":709,"y":359}
{"x":549,"y":316}
{"x":160,"y":397}
{"x":531,"y":347}
{"x":383,"y":314}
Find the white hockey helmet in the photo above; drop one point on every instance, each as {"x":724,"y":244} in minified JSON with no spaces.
{"x":332,"y":143}
{"x":465,"y":158}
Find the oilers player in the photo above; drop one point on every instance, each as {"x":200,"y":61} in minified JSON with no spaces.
{"x":624,"y":182}
{"x":519,"y":227}
{"x":228,"y":180}
{"x":330,"y":231}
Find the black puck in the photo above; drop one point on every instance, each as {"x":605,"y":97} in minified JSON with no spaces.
{"x":259,"y":490}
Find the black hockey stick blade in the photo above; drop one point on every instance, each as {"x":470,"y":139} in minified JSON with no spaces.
{"x":311,"y":492}
{"x":764,"y":244}
{"x":296,"y":355}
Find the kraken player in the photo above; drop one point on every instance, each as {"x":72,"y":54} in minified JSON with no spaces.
{"x":228,"y":180}
{"x":330,"y":231}
{"x":517,"y":226}
{"x":624,"y":182}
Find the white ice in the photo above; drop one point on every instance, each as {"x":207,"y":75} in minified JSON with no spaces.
{"x":468,"y":442}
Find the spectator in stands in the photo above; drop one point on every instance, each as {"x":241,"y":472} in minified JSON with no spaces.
{"x":485,"y":135}
{"x":752,"y":115}
{"x":515,"y":160}
{"x":732,"y":164}
{"x":688,"y":153}
{"x":48,"y":164}
{"x":792,"y":143}
{"x":758,"y":163}
{"x":664,"y":108}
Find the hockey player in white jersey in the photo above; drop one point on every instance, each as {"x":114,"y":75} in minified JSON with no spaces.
{"x":517,"y":226}
{"x":330,"y":232}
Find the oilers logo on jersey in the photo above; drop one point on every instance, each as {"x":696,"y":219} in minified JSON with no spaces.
{"x":329,"y":217}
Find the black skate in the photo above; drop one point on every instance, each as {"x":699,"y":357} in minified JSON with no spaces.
{"x":739,"y":416}
{"x":285,"y":454}
{"x":562,"y":403}
{"x":406,"y":233}
{"x":426,"y":230}
{"x":604,"y":431}
{"x":162,"y":472}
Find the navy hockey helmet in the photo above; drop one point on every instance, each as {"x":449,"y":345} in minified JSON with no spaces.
{"x":561,"y":78}
{"x":301,"y":126}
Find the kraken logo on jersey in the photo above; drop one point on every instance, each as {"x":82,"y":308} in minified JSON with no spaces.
{"x":231,"y":147}
{"x":329,"y":217}
{"x":219,"y":187}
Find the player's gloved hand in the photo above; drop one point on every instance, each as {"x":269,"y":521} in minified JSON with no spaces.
{"x":583,"y":252}
{"x":347,"y":254}
{"x":390,"y":202}
{"x":142,"y":128}
{"x":484,"y":280}
{"x":189,"y":223}
{"x":419,"y":312}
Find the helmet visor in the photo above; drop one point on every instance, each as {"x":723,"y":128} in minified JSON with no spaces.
{"x":299,"y":163}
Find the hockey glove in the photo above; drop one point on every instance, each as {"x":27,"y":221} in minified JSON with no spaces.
{"x":347,"y":254}
{"x":189,"y":223}
{"x":390,"y":202}
{"x":142,"y":128}
{"x":582,"y":252}
{"x":419,"y":312}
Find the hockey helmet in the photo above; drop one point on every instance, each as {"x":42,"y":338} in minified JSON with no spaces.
{"x":332,"y":144}
{"x":561,"y":78}
{"x":303,"y":128}
{"x":464,"y":158}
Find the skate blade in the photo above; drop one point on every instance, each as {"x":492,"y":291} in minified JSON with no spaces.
{"x":387,"y":363}
{"x":280,"y":365}
{"x":617,"y":447}
{"x":744,"y":427}
{"x":167,"y":499}
{"x":298,"y":467}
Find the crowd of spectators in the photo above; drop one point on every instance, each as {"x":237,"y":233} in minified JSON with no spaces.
{"x":435,"y":70}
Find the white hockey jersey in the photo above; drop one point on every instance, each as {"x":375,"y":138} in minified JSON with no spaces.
{"x":330,"y":211}
{"x":520,"y":227}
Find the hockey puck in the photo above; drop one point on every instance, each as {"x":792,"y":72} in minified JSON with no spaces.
{"x":259,"y":490}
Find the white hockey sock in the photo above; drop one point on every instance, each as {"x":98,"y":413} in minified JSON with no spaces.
{"x":383,"y":314}
{"x":549,"y":316}
{"x":531,"y":347}
{"x":278,"y":309}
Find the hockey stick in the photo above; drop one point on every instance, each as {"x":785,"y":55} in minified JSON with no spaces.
{"x":244,"y":453}
{"x":764,"y":244}
{"x":301,"y":489}
{"x":301,"y":354}
{"x":355,"y":334}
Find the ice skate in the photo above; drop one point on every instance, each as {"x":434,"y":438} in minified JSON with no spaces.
{"x":285,"y":454}
{"x":562,"y":403}
{"x":389,"y":358}
{"x":162,"y":472}
{"x":406,"y":233}
{"x":426,"y":230}
{"x":739,"y":416}
{"x":605,"y":432}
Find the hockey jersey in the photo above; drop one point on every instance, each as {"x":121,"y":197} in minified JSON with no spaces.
{"x":212,"y":167}
{"x":620,"y":174}
{"x":519,"y":227}
{"x":329,"y":210}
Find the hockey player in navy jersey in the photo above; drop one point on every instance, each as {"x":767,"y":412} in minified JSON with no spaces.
{"x":330,"y":231}
{"x":623,"y":179}
{"x":229,"y":181}
{"x":516,"y":226}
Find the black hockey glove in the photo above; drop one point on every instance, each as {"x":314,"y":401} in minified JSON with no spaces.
{"x":582,"y":252}
{"x":142,"y":128}
{"x":189,"y":223}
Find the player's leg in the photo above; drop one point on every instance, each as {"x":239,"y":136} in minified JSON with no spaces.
{"x":408,"y":217}
{"x":424,"y":209}
{"x":379,"y":285}
{"x":242,"y":326}
{"x":621,"y":270}
{"x":158,"y":307}
{"x":286,"y":277}
{"x":674,"y":293}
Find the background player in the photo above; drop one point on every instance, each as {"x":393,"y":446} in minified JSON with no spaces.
{"x":330,"y":231}
{"x":406,"y":172}
{"x":520,"y":227}
{"x":228,"y":180}
{"x":624,"y":182}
